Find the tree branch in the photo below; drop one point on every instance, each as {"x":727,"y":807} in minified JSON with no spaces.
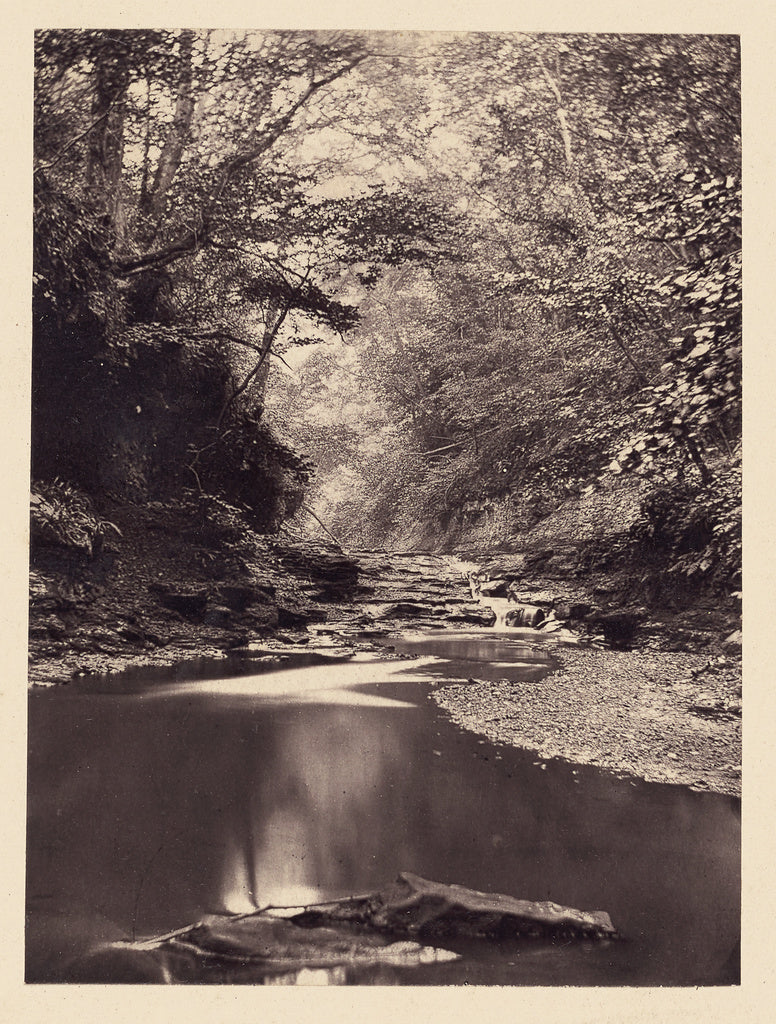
{"x":560,"y":113}
{"x":266,"y":351}
{"x":52,"y":163}
{"x":196,"y":237}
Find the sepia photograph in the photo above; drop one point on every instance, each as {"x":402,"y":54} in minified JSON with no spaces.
{"x":385,"y":555}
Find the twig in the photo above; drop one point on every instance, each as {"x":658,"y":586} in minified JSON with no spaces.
{"x":322,"y":524}
{"x":72,"y":142}
{"x":159,"y":939}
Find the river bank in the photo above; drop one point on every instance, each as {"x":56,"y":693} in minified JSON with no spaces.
{"x":667,"y":709}
{"x":672,"y":717}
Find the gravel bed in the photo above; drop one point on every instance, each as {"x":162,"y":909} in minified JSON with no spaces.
{"x":663,"y":717}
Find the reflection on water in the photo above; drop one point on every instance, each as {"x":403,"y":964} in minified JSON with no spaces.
{"x":515,"y":654}
{"x":327,"y":683}
{"x":148,"y":810}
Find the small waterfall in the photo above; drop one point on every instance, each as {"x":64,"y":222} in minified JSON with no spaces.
{"x":508,"y":613}
{"x":500,"y":605}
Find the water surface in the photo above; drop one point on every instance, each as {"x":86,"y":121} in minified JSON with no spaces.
{"x":183,"y":794}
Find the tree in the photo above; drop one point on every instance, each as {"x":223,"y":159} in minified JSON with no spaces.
{"x":171,"y":196}
{"x":589,"y":173}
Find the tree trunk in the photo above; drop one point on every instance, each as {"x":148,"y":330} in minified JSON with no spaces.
{"x":106,"y":143}
{"x":175,"y":143}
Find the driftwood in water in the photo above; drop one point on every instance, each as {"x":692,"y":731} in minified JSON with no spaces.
{"x":281,"y":943}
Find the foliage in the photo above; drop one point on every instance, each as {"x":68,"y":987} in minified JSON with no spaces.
{"x":521,"y":253}
{"x":62,"y":515}
{"x":185,"y":191}
{"x":693,"y":531}
{"x":697,"y":403}
{"x":591,"y":314}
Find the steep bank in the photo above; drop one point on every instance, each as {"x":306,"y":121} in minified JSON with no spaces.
{"x":178,"y":580}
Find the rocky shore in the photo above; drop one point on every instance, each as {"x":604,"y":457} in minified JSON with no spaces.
{"x":662,"y":716}
{"x":666,"y":707}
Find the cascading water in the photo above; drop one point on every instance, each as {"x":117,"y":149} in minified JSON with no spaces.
{"x":508,"y":613}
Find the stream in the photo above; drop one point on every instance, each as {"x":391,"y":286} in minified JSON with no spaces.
{"x":158,"y":796}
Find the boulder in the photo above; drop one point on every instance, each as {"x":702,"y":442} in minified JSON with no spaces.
{"x":733,"y":644}
{"x":494,"y":588}
{"x":218,"y":615}
{"x":524,"y":615}
{"x":618,"y":628}
{"x":473,"y":614}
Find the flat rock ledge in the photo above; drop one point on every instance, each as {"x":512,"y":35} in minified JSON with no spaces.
{"x":662,"y":717}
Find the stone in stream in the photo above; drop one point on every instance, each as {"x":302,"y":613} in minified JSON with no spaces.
{"x":524,"y":615}
{"x":473,"y":614}
{"x":391,"y":926}
{"x":415,"y":906}
{"x":493,"y":588}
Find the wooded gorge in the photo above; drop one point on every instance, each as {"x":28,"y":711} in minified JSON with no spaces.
{"x":424,"y":288}
{"x":385,"y":509}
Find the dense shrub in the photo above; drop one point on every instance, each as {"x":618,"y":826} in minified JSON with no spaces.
{"x":61,"y":515}
{"x":693,"y":530}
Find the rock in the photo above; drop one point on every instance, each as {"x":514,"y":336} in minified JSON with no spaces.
{"x":519,"y":594}
{"x":52,"y":626}
{"x":320,"y":562}
{"x":733,"y":643}
{"x":409,"y":610}
{"x":494,"y":588}
{"x":550,"y":625}
{"x":297,"y":617}
{"x":238,"y":597}
{"x":218,"y":615}
{"x":476,"y":615}
{"x":536,"y":559}
{"x":524,"y":615}
{"x":187,"y":602}
{"x":133,"y":634}
{"x":567,"y":611}
{"x":618,"y":628}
